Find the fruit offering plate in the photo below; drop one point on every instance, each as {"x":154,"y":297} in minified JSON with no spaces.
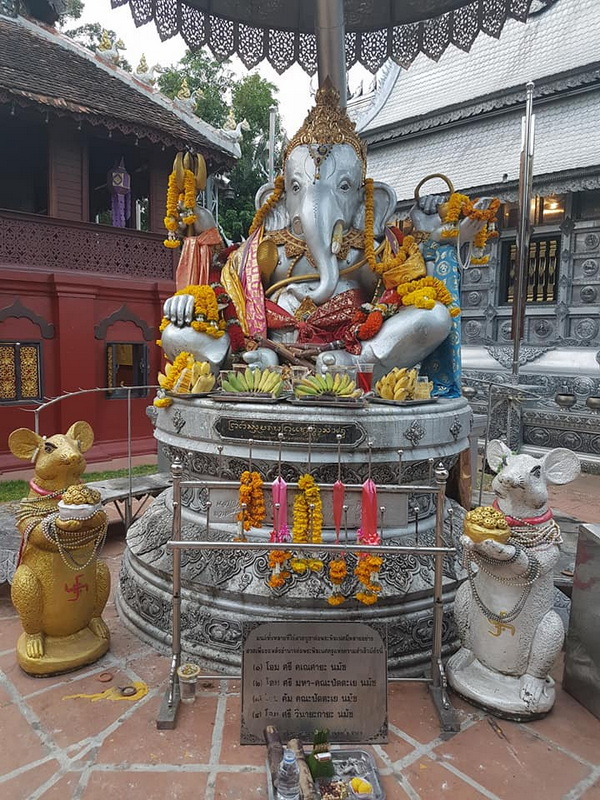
{"x":348,"y":764}
{"x":244,"y":397}
{"x":189,"y":395}
{"x":328,"y":400}
{"x":384,"y":402}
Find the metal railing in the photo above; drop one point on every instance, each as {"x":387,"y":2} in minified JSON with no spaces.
{"x":129,"y":389}
{"x":438,"y":683}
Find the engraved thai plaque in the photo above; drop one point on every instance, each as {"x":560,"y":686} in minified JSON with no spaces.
{"x":300,"y":676}
{"x":294,"y":433}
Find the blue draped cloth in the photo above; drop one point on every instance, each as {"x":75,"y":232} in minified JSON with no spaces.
{"x":443,"y":365}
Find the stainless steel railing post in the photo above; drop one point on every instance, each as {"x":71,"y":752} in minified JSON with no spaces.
{"x":176,"y":474}
{"x":441,"y":476}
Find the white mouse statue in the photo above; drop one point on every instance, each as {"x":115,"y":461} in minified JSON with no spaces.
{"x":510,"y":634}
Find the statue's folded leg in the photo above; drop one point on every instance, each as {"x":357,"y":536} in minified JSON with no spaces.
{"x":409,"y":336}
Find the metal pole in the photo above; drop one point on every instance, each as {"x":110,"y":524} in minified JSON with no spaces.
{"x":272,"y":121}
{"x":176,"y":474}
{"x":485,"y":442}
{"x":331,"y":47}
{"x":128,"y":509}
{"x":524,"y":228}
{"x":441,"y":476}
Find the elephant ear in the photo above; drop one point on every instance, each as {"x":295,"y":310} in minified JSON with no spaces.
{"x":384,"y":205}
{"x":278,"y":217}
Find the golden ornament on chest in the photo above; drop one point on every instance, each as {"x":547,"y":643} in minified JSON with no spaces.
{"x":60,"y":587}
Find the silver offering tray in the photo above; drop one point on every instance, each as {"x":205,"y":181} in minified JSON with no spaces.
{"x":382,"y":401}
{"x":348,"y":764}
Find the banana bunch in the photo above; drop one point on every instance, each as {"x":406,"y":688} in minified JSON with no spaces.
{"x":398,"y":384}
{"x":202,"y":378}
{"x":327,"y":384}
{"x":264,"y":381}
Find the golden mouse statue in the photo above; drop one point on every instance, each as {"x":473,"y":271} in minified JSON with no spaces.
{"x":60,"y":587}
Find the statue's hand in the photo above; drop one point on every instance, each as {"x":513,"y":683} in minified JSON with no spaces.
{"x":424,"y":215}
{"x":179,"y":309}
{"x":469,"y":228}
{"x":496,"y":550}
{"x":261,"y":357}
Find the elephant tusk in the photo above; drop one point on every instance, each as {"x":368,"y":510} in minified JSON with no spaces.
{"x":337,"y":238}
{"x":313,"y":276}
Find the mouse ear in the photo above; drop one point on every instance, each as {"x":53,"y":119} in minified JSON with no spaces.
{"x":497,"y":453}
{"x":561,"y":465}
{"x":24,"y":443}
{"x":83,"y":434}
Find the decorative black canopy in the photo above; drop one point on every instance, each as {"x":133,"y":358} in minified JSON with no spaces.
{"x":282,"y":31}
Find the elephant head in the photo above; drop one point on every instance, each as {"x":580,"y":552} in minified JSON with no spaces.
{"x":323,"y":197}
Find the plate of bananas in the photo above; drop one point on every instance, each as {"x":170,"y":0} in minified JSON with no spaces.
{"x":403,"y":387}
{"x":250,"y":385}
{"x":329,"y":389}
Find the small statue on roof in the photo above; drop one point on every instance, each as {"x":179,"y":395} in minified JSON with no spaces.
{"x":144,"y":73}
{"x":108,"y":49}
{"x":235,"y":130}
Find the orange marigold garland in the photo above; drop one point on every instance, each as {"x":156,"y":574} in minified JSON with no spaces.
{"x":277,"y":560}
{"x":307,"y":523}
{"x":367,"y":571}
{"x":251,"y":496}
{"x":337,"y":575}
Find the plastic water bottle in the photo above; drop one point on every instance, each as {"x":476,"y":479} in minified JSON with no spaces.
{"x":288,"y":778}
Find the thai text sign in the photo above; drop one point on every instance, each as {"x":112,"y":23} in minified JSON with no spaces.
{"x":265,"y":430}
{"x":300,"y":676}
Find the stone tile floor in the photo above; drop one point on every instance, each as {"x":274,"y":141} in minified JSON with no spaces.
{"x":57,"y":747}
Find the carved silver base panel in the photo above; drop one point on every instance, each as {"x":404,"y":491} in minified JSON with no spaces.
{"x":223,"y":590}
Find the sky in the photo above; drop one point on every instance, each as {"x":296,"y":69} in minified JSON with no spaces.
{"x":294,"y":85}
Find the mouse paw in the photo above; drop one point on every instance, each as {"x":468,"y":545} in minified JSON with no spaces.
{"x":532,"y":691}
{"x":34,"y":645}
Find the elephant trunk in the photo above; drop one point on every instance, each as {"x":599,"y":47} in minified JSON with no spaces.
{"x":324,"y":238}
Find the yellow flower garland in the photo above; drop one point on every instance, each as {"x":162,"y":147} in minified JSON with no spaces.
{"x":424,"y":292}
{"x":307,"y":523}
{"x":189,"y":197}
{"x":270,"y":202}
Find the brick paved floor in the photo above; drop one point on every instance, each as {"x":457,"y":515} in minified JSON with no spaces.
{"x":58,"y":747}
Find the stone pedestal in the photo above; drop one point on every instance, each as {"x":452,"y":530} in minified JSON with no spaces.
{"x":220,"y":591}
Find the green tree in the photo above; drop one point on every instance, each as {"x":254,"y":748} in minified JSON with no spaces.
{"x":73,"y":10}
{"x":209,"y":79}
{"x":252,"y":99}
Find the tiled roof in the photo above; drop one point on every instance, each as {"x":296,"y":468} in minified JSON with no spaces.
{"x":563,"y":38}
{"x":482,"y":152}
{"x":39,"y":65}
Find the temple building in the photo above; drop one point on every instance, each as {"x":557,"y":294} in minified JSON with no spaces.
{"x":86,"y":152}
{"x":462,"y":117}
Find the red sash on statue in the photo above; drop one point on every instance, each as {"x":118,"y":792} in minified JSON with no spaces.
{"x":330,"y":322}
